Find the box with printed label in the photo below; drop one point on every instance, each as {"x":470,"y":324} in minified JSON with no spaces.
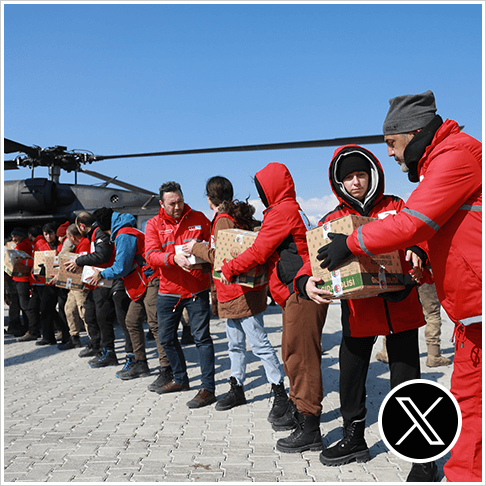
{"x":88,"y":271}
{"x":359,"y":276}
{"x":12,"y":263}
{"x":66,"y":279}
{"x":232,"y":243}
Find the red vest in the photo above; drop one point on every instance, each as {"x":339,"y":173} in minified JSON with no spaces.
{"x":136,"y":281}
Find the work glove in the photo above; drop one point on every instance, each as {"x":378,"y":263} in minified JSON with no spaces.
{"x":334,"y":253}
{"x":400,"y":295}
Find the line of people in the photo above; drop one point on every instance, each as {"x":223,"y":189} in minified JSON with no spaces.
{"x":437,"y":233}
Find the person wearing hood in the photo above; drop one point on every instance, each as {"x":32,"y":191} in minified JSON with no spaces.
{"x":445,"y":210}
{"x":181,"y":286}
{"x":357,"y":180}
{"x":141,"y":284}
{"x":281,"y":242}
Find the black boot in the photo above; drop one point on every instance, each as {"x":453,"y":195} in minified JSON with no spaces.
{"x":288,"y":420}
{"x":425,"y":472}
{"x":352,"y":447}
{"x":306,"y":437}
{"x":235,"y":396}
{"x":280,"y":402}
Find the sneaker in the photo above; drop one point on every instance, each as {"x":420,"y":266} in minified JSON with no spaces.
{"x":171,"y":387}
{"x":133,"y":369}
{"x":234,"y":397}
{"x":108,"y":358}
{"x":27,"y":337}
{"x":90,"y":351}
{"x":280,"y":402}
{"x":165,"y":376}
{"x":202,"y":399}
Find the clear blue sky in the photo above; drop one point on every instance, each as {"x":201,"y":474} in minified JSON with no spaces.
{"x":130,"y":78}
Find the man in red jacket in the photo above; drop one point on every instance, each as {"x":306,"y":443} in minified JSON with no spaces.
{"x":181,"y":286}
{"x":282,"y":243}
{"x":446,"y":210}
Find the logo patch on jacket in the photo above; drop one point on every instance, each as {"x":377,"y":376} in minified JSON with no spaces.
{"x":166,"y":231}
{"x":194,"y":228}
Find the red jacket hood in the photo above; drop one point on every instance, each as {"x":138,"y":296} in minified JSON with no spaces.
{"x":276,"y":183}
{"x":377,"y":179}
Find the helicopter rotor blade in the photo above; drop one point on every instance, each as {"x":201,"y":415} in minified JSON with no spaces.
{"x":111,"y":180}
{"x":10,"y":165}
{"x":335,"y":142}
{"x":10,"y":147}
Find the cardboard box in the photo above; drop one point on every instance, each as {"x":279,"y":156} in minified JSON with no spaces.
{"x":40,"y":259}
{"x":232,"y":243}
{"x":12,"y":263}
{"x":360,"y":276}
{"x":68,"y":280}
{"x":89,"y":270}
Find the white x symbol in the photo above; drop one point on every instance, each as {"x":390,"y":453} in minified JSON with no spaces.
{"x":438,"y":440}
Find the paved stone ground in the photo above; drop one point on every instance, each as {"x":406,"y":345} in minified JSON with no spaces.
{"x":65,"y":422}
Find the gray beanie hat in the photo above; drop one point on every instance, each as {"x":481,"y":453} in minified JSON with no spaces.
{"x":409,"y":112}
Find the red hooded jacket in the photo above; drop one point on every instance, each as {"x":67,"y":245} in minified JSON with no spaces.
{"x":281,"y":241}
{"x":373,"y":316}
{"x":162,"y":234}
{"x":26,"y":246}
{"x":445,"y":210}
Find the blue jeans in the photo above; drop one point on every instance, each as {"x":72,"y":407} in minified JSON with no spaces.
{"x":169,"y":312}
{"x":251,"y":328}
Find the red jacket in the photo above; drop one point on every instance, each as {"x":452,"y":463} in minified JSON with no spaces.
{"x":162,"y":234}
{"x":281,"y":240}
{"x":373,"y":316}
{"x":446,"y":210}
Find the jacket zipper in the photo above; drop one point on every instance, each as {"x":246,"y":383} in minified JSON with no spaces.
{"x":388,"y":320}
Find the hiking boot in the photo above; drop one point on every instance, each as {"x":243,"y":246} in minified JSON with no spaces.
{"x":306,"y":436}
{"x":165,"y":376}
{"x":202,"y":399}
{"x":352,"y":447}
{"x":171,"y":387}
{"x":288,"y":420}
{"x":280,"y":402}
{"x":425,"y":472}
{"x":27,"y":337}
{"x":235,"y":396}
{"x":133,"y":368}
{"x":434,"y":359}
{"x":74,"y":342}
{"x":108,"y":358}
{"x":90,"y":351}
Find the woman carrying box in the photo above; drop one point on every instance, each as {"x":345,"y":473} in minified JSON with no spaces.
{"x":242,"y":306}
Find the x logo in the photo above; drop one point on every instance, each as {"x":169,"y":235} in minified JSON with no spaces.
{"x":419,"y":421}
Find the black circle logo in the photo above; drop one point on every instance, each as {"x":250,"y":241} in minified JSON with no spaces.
{"x":420,"y":421}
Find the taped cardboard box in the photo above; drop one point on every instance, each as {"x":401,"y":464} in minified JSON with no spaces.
{"x":89,"y":270}
{"x":360,"y":276}
{"x":12,"y":263}
{"x":232,"y":243}
{"x":68,"y":280}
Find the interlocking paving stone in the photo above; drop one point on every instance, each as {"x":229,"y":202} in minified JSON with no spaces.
{"x":65,"y":422}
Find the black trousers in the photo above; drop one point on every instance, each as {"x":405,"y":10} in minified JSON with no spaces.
{"x":49,"y":316}
{"x":354,"y":361}
{"x":23,"y":292}
{"x":122,"y":302}
{"x":100,"y":318}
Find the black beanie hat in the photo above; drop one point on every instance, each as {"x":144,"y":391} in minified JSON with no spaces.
{"x":19,"y":232}
{"x":103,"y":218}
{"x":352,"y":163}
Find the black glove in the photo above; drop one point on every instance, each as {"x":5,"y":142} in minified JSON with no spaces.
{"x":335,"y":252}
{"x":400,"y":295}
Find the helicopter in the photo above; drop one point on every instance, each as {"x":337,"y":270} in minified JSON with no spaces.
{"x":36,"y":201}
